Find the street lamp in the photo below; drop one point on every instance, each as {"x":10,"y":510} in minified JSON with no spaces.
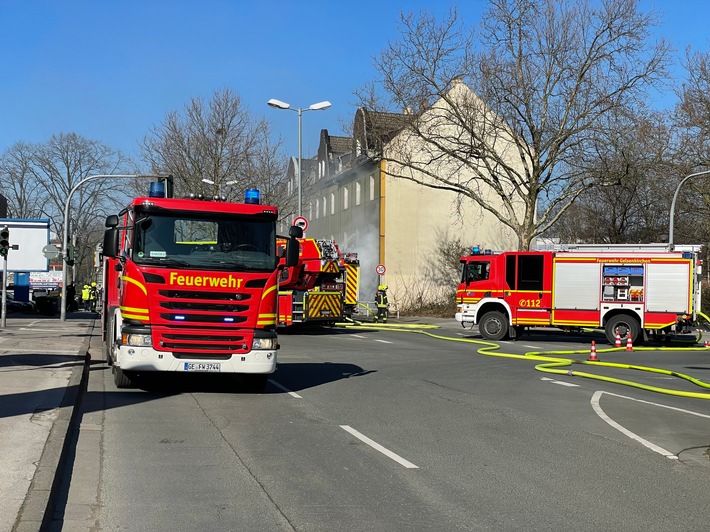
{"x":219,"y":187}
{"x":320,"y":106}
{"x":675,"y":197}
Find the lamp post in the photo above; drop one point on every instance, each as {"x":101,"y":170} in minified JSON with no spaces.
{"x":320,"y":106}
{"x":65,"y":239}
{"x":675,"y":197}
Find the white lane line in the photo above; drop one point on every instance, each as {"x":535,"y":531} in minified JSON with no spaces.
{"x":655,"y":448}
{"x":284,"y":389}
{"x":357,"y":336}
{"x":383,"y":341}
{"x":561,"y":383}
{"x":378,"y":447}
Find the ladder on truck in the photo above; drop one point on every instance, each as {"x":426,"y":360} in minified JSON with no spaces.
{"x":641,"y":248}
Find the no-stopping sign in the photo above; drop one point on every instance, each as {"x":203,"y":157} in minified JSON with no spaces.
{"x":380,"y":269}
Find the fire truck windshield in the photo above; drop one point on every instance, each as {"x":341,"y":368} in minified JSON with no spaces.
{"x":229,"y":243}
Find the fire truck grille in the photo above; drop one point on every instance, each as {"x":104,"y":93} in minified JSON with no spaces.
{"x":202,"y":345}
{"x":215,"y":296}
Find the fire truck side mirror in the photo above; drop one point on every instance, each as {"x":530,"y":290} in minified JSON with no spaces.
{"x":295,"y":231}
{"x":292,"y":252}
{"x":110,"y":248}
{"x":111,"y":221}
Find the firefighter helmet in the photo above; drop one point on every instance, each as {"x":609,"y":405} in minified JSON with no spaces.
{"x":382,"y":287}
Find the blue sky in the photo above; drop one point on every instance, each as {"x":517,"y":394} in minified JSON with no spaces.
{"x":109,"y":70}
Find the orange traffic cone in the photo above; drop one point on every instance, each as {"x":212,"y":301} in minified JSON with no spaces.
{"x":629,"y":344}
{"x":618,"y":339}
{"x":593,"y":352}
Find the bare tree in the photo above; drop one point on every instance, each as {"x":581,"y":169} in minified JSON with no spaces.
{"x":544,"y":75}
{"x":637,"y":159}
{"x":218,"y":140}
{"x":54,"y":168}
{"x":22,"y":190}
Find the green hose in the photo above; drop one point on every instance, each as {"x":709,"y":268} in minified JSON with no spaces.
{"x":555,"y":365}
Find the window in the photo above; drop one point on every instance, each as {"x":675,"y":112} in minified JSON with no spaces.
{"x":325,"y":207}
{"x":357,"y":193}
{"x":345,"y":198}
{"x":317,"y":209}
{"x":332,"y":203}
{"x":372,"y":188}
{"x":530,"y":272}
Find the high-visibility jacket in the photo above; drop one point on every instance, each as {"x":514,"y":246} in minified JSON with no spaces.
{"x":381,"y":299}
{"x":85,"y":293}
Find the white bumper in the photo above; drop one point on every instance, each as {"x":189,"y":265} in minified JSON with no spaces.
{"x":466,"y":314}
{"x":130,"y":358}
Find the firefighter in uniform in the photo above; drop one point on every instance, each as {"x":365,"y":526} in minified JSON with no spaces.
{"x":382,"y":303}
{"x":93,"y":296}
{"x":85,"y":294}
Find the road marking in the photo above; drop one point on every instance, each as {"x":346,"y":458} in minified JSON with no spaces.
{"x":660,"y":450}
{"x":562,"y":383}
{"x":357,"y":336}
{"x":378,"y":447}
{"x":284,"y":389}
{"x":383,"y":341}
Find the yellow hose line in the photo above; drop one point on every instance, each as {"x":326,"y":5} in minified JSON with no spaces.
{"x":554,"y":365}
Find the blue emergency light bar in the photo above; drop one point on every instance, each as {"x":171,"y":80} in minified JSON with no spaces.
{"x":157,"y":189}
{"x":252,"y":196}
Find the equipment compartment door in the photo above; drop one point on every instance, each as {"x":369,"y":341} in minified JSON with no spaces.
{"x":530,"y":299}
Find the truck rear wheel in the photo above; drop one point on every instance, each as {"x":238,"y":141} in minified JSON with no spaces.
{"x":626,"y":325}
{"x":493,"y":326}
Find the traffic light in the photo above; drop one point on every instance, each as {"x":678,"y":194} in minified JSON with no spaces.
{"x":4,"y":240}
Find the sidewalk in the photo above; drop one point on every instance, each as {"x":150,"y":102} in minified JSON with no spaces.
{"x":42,"y":360}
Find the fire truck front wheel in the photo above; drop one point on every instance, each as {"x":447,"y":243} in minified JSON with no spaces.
{"x":493,"y":326}
{"x":122,"y":379}
{"x":626,"y":326}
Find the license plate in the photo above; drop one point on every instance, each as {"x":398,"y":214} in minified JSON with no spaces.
{"x":202,"y":366}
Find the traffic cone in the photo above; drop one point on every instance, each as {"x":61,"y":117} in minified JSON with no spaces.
{"x":593,"y":353}
{"x":629,"y":344}
{"x":707,"y":344}
{"x":618,"y":339}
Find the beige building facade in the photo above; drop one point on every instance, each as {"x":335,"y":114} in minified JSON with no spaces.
{"x":352,"y":194}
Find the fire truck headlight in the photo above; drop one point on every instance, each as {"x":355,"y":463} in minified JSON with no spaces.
{"x":137,"y":340}
{"x":264,"y":343}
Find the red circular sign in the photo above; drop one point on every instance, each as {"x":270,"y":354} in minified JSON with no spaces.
{"x":300,"y":221}
{"x":380,"y":269}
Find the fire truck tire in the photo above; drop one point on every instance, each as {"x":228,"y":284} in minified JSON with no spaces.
{"x":626,"y":325}
{"x":493,"y":326}
{"x":254,"y":382}
{"x":121,"y":379}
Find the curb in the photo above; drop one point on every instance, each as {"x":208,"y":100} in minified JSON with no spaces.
{"x":37,"y":510}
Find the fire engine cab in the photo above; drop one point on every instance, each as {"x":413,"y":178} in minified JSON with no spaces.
{"x":624,"y":289}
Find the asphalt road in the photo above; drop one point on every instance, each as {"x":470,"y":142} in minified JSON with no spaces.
{"x":381,"y":430}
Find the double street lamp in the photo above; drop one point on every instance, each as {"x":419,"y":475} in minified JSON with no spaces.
{"x":320,"y":106}
{"x":219,"y":187}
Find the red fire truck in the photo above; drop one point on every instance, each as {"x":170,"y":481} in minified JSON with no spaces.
{"x":625,"y":289}
{"x":190,"y":285}
{"x":321,"y":288}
